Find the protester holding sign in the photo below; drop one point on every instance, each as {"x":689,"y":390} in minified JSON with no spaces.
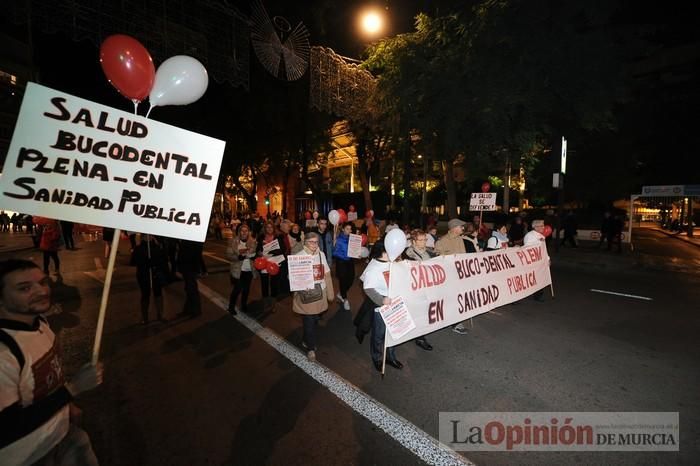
{"x":452,"y":243}
{"x":536,"y":237}
{"x":35,"y":398}
{"x":344,"y":265}
{"x":269,"y":246}
{"x":311,"y":303}
{"x":375,"y":281}
{"x":241,"y":251}
{"x":418,"y":251}
{"x":499,"y":238}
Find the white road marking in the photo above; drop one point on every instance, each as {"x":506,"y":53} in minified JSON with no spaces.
{"x":408,"y":435}
{"x":215,"y":257}
{"x":644,"y":298}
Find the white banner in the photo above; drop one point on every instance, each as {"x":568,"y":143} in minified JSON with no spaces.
{"x":449,"y":289}
{"x":72,"y":159}
{"x":482,"y":201}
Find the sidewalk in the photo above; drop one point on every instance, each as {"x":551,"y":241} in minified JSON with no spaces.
{"x":11,"y":241}
{"x":694,"y":240}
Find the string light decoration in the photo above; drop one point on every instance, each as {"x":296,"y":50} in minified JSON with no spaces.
{"x":338,"y":86}
{"x":283,"y":51}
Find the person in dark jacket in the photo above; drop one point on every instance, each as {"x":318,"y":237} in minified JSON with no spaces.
{"x":151,"y":263}
{"x":189,"y":260}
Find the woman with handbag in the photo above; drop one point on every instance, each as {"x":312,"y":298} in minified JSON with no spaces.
{"x":241,"y":252}
{"x":311,"y":303}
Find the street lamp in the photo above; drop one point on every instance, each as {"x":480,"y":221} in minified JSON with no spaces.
{"x":371,"y":21}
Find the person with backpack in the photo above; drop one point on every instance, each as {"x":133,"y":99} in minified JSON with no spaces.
{"x":36,"y":408}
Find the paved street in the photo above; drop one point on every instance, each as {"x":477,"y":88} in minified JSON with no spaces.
{"x":213,"y":390}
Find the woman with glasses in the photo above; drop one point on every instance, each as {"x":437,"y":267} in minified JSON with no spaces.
{"x":418,"y":251}
{"x":310,"y":304}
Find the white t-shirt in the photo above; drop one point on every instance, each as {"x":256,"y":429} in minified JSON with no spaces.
{"x":376,"y":276}
{"x":41,"y":375}
{"x":532,"y":237}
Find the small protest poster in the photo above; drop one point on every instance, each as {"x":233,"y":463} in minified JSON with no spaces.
{"x":271,"y":246}
{"x":301,"y":272}
{"x":352,"y":216}
{"x":311,"y":223}
{"x":396,"y":317}
{"x":354,"y":246}
{"x":482,"y":201}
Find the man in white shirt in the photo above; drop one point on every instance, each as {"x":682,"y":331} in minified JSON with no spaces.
{"x":35,"y":398}
{"x":535,"y":237}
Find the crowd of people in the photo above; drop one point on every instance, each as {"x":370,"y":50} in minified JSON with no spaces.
{"x":27,"y":341}
{"x":276,"y":238}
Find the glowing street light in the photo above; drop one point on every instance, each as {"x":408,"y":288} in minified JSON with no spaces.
{"x":372,"y":22}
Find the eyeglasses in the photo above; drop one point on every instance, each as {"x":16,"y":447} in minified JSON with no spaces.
{"x":312,"y":241}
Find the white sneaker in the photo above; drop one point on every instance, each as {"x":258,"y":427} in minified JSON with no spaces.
{"x":311,"y":355}
{"x":346,"y":305}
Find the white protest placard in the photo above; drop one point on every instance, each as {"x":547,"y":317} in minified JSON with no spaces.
{"x":354,"y":246}
{"x":72,"y":159}
{"x":276,"y":259}
{"x":482,"y":201}
{"x":447,"y":290}
{"x":301,"y":272}
{"x":271,"y":246}
{"x":311,"y":223}
{"x":352,"y":216}
{"x":397,"y":319}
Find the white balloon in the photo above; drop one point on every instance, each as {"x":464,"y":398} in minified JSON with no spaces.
{"x":364,"y":252}
{"x":333,"y":217}
{"x":180,"y":80}
{"x":395,"y":243}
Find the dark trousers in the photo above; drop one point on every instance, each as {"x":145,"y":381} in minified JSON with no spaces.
{"x":51,"y":255}
{"x":309,"y":336}
{"x":147,"y":284}
{"x":345,"y":271}
{"x":269,"y":285}
{"x":570,"y":238}
{"x":376,"y":344}
{"x":68,"y":235}
{"x":193,"y":303}
{"x":240,"y":286}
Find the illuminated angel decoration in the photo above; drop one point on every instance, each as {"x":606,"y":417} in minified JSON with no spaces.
{"x":282,"y":51}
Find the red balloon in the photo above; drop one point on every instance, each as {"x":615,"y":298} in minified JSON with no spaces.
{"x":364,"y":239}
{"x":547,"y":230}
{"x":307,"y":215}
{"x":260,"y":263}
{"x":485,"y":187}
{"x":343,"y":217}
{"x":128,"y":66}
{"x":272,"y":268}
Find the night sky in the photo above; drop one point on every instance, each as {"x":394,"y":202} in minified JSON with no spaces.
{"x":657,"y":124}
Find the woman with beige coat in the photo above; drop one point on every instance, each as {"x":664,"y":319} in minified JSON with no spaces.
{"x":310,"y":304}
{"x":241,"y":252}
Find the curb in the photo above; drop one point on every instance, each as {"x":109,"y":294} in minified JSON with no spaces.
{"x":676,"y":236}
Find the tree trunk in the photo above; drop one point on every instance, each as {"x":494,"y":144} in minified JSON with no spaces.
{"x":406,"y":210}
{"x":364,"y":169}
{"x":448,"y":171}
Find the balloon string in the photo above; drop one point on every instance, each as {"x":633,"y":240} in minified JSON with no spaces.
{"x":136,"y":106}
{"x":149,"y":110}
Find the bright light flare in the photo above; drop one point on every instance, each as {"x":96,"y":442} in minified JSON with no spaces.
{"x":371,"y":22}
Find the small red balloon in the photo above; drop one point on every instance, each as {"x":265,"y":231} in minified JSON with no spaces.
{"x":547,"y":230}
{"x":272,"y":268}
{"x":128,"y":66}
{"x":485,"y":187}
{"x":260,"y":263}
